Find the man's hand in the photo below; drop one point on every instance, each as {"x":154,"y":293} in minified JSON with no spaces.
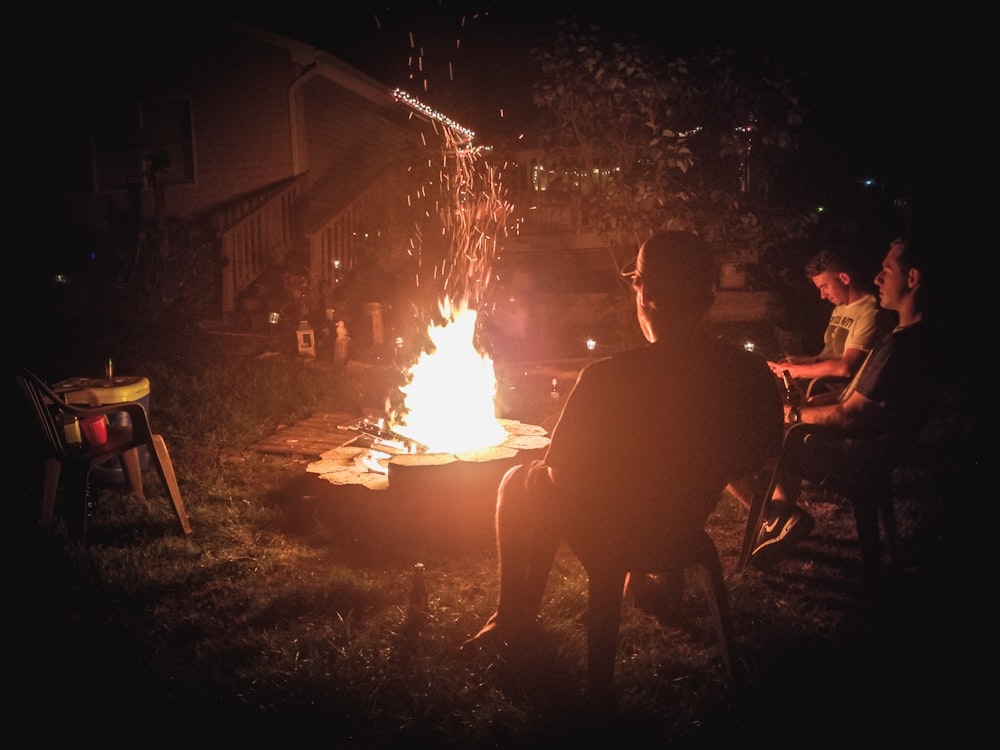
{"x":779,"y":365}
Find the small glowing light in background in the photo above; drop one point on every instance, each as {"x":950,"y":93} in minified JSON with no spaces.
{"x":591,"y":345}
{"x":748,"y":346}
{"x":274,"y":318}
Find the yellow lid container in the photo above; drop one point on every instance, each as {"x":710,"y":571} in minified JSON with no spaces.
{"x":98,"y":391}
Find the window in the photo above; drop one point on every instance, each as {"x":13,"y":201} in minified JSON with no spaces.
{"x":133,"y":143}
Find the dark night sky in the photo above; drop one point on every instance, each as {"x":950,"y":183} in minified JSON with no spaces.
{"x":890,"y":97}
{"x":900,"y":98}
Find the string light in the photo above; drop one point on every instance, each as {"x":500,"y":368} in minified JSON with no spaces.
{"x":415,"y":104}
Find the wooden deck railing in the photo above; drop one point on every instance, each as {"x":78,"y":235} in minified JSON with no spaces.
{"x":257,"y":241}
{"x":334,"y":245}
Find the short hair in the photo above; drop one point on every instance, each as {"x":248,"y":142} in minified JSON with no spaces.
{"x":919,"y":252}
{"x":677,"y":269}
{"x":826,"y":260}
{"x":913,"y":253}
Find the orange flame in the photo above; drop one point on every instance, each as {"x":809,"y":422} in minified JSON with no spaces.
{"x":450,"y":391}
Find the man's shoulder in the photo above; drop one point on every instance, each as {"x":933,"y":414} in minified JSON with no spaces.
{"x":866,"y":303}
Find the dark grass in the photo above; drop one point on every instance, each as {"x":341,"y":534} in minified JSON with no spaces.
{"x":283,"y":620}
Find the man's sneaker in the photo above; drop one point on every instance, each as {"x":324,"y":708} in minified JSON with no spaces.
{"x":780,"y":534}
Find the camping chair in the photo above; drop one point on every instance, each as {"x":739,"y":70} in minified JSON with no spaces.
{"x":73,"y":463}
{"x":609,"y":575}
{"x":870,"y":499}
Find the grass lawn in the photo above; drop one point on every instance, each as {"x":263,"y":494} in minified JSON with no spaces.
{"x":282,"y":621}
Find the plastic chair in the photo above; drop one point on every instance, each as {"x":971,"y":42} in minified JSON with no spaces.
{"x":73,"y":463}
{"x":871,"y":501}
{"x":608,"y":584}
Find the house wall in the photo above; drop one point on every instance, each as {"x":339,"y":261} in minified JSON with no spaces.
{"x":350,"y":141}
{"x":241,"y":123}
{"x":238,"y":88}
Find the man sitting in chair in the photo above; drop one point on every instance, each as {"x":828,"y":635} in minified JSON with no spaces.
{"x":856,"y":323}
{"x":887,"y":402}
{"x":645,"y":444}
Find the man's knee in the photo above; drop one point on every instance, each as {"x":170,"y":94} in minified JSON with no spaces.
{"x":527,"y":479}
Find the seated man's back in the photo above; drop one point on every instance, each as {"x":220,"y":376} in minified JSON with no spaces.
{"x":655,"y":434}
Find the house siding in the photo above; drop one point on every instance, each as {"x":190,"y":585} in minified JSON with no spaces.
{"x":238,"y":87}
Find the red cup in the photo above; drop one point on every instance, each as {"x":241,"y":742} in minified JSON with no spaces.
{"x":95,"y":430}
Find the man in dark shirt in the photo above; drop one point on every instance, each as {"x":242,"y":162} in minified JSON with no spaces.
{"x":880,"y":412}
{"x":647,"y":440}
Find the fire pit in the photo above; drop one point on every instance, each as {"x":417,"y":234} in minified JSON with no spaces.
{"x":378,"y":461}
{"x":444,"y":500}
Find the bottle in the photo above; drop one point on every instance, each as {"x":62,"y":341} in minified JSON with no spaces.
{"x":793,"y":397}
{"x":418,"y":595}
{"x":71,"y":430}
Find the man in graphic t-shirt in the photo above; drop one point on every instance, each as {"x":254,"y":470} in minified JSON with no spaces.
{"x":856,"y":323}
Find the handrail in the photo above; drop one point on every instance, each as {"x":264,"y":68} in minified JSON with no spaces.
{"x":260,"y":239}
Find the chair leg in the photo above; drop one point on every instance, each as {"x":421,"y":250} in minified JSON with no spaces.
{"x":604,"y":604}
{"x":755,"y":516}
{"x":76,"y":484}
{"x":887,"y":511}
{"x":718,"y":601}
{"x":866,"y":518}
{"x":50,"y":490}
{"x":133,"y":471}
{"x":165,"y":469}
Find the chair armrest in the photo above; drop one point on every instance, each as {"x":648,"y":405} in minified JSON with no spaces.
{"x":823,"y":384}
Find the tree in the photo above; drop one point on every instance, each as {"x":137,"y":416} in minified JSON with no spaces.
{"x":643,"y":141}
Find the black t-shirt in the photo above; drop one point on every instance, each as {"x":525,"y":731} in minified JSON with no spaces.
{"x":903,"y":374}
{"x":654,"y":434}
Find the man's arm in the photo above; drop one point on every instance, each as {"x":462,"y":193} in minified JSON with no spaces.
{"x":856,"y":412}
{"x":844,"y":367}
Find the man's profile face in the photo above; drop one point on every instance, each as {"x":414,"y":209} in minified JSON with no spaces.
{"x":832,"y":287}
{"x":892,"y":281}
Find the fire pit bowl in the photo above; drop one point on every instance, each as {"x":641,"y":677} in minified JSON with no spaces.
{"x":442,"y":501}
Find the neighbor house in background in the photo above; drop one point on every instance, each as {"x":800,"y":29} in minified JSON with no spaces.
{"x":272,"y":148}
{"x":190,"y":156}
